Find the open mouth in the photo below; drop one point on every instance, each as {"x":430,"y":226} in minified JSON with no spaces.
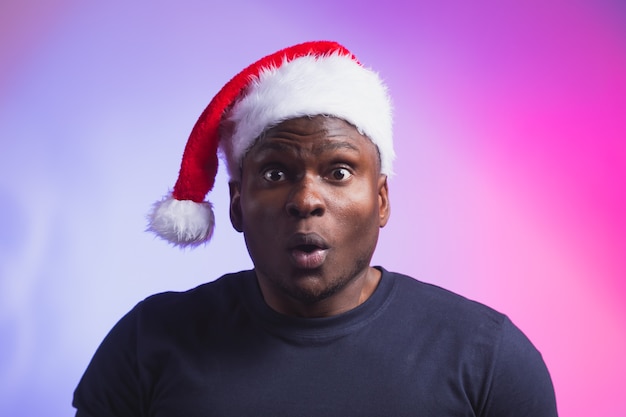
{"x":307,"y":250}
{"x":307,"y":242}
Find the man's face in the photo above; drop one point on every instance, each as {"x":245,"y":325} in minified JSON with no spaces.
{"x":310,"y":204}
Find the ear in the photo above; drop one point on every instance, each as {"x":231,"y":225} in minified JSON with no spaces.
{"x":236,"y":219}
{"x":384,"y":209}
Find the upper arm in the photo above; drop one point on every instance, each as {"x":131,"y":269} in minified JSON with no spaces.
{"x":110,"y":385}
{"x":521,"y":384}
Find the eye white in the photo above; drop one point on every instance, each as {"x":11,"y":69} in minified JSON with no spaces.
{"x":274,"y":175}
{"x":340,"y":174}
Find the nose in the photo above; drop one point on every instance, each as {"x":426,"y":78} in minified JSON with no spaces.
{"x":305,"y":199}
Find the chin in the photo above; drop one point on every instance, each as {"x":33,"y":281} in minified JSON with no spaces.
{"x":312,"y":293}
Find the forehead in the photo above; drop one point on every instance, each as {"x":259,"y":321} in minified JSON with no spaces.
{"x":316,"y":134}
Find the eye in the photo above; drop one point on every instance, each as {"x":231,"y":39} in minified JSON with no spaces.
{"x":340,"y":174}
{"x":274,"y":175}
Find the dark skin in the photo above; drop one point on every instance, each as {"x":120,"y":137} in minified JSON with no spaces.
{"x":310,"y":203}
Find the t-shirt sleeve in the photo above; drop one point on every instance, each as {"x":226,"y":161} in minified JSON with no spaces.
{"x":520,"y":385}
{"x":110,"y":385}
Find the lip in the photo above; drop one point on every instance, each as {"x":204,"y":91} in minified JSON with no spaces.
{"x":307,"y":250}
{"x":306,"y":239}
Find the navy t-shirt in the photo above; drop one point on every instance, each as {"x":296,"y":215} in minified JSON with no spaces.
{"x":412,"y":349}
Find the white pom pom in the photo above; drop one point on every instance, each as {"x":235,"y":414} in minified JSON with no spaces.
{"x":182,"y":222}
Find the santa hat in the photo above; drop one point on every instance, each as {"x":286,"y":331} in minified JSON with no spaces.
{"x":309,"y":79}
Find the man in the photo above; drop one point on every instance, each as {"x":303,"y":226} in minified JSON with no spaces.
{"x":313,"y":330}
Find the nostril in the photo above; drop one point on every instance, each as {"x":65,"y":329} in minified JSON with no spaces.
{"x":293,"y":211}
{"x":298,"y":211}
{"x":318,"y":211}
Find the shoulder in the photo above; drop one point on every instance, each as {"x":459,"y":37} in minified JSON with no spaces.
{"x":485,"y":342}
{"x":438,"y":304}
{"x":212,"y":295}
{"x":205,"y":305}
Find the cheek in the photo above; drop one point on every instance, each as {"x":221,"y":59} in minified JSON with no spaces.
{"x":357,"y":210}
{"x":260,"y":208}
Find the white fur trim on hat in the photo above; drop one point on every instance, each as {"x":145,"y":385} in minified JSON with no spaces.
{"x":334,"y":85}
{"x":182,"y":222}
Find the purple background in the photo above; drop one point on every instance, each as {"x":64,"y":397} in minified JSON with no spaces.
{"x":510,"y":185}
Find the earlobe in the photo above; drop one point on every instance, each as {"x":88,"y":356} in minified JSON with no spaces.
{"x":384,"y":209}
{"x":236,"y":219}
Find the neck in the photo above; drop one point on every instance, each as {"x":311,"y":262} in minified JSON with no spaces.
{"x":355,"y":293}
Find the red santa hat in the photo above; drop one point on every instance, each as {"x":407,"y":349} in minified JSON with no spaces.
{"x":309,"y":79}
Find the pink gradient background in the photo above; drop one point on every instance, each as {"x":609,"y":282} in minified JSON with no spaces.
{"x":510,"y":184}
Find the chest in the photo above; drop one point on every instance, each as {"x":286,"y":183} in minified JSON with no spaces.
{"x":364,"y":374}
